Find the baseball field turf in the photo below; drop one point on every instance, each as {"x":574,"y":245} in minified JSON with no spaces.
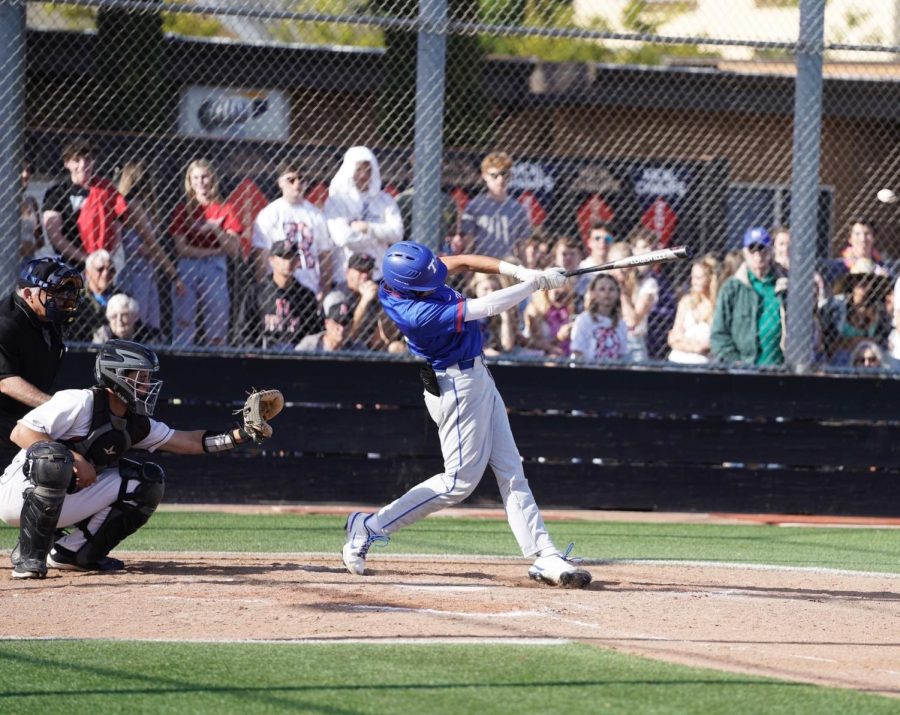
{"x":558,"y":661}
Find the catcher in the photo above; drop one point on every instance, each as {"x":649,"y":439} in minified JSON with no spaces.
{"x":71,"y":470}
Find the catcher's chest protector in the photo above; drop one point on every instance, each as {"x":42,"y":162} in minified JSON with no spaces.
{"x":110,"y":436}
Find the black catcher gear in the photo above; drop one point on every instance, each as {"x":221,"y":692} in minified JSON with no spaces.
{"x":143,"y":486}
{"x":49,"y":466}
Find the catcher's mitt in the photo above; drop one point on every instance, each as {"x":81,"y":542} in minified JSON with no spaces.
{"x":260,"y":407}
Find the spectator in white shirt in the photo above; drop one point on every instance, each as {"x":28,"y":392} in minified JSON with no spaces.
{"x":295,"y":220}
{"x":361,"y":217}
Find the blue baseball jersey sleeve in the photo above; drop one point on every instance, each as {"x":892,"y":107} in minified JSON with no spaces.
{"x":434,"y":325}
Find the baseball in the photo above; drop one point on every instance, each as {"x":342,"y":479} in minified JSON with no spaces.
{"x":887,"y":196}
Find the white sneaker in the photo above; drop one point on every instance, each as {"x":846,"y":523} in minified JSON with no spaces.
{"x":359,"y":539}
{"x":556,"y":570}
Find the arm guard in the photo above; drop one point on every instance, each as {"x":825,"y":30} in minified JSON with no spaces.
{"x":213,"y":442}
{"x":498,"y":301}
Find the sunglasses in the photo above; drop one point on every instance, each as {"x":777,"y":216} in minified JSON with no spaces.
{"x":757,"y":248}
{"x":106,"y":269}
{"x":497,"y":174}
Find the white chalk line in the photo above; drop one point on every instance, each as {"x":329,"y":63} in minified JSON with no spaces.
{"x":539,"y":614}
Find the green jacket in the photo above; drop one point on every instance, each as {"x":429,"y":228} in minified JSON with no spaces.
{"x":734,"y":332}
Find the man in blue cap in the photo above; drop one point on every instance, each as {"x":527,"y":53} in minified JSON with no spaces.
{"x":441,"y":326}
{"x":747,"y":325}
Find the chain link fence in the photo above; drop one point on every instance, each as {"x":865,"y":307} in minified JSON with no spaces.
{"x":229,"y":174}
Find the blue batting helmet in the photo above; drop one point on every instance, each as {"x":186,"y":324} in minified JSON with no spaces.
{"x":408,"y":265}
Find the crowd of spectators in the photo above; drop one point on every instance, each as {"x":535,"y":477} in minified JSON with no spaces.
{"x":296,"y":276}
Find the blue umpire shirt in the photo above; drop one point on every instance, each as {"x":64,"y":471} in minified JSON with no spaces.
{"x":435,"y":325}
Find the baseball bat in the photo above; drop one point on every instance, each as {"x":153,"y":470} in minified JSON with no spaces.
{"x":666,"y":254}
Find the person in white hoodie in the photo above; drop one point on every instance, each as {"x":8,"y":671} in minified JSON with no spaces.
{"x":361,"y":217}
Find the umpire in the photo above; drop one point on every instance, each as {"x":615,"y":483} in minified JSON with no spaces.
{"x":47,"y":298}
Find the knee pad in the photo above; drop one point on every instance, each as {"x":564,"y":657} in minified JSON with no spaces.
{"x":50,"y":466}
{"x":151,"y":483}
{"x":131,"y":510}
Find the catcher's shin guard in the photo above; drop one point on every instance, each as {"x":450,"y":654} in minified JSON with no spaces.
{"x":131,"y":510}
{"x":49,"y":467}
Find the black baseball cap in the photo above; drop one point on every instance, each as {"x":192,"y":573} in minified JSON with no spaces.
{"x":284,"y":249}
{"x":340,"y":313}
{"x":362,"y":262}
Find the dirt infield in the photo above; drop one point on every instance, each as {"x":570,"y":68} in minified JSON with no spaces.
{"x":825,"y":627}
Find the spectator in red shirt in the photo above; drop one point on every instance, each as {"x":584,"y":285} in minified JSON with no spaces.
{"x":206,"y":231}
{"x":82,"y":214}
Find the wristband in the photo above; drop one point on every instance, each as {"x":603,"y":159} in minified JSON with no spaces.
{"x":507,"y":269}
{"x":223,"y":442}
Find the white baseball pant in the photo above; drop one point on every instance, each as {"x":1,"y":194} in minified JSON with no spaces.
{"x":91,"y":502}
{"x":474,"y":431}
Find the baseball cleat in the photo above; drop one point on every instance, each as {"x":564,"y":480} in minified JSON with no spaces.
{"x":64,"y":560}
{"x":555,"y":570}
{"x":30,"y":568}
{"x":359,"y":539}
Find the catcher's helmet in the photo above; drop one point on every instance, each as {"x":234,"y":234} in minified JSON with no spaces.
{"x":410,"y":266}
{"x":115,"y":360}
{"x":62,"y":286}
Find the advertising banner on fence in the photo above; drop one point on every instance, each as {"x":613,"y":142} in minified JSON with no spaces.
{"x":234,"y":113}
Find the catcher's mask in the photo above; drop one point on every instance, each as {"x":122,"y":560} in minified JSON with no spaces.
{"x":126,"y":368}
{"x":62,"y":288}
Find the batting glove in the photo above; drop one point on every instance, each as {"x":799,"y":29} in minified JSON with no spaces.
{"x":550,"y":278}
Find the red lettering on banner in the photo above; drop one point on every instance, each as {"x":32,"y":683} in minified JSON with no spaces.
{"x":460,"y":197}
{"x":536,"y":213}
{"x":317,"y":194}
{"x":661,"y":219}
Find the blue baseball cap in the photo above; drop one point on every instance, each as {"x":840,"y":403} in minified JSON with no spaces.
{"x":757,"y":236}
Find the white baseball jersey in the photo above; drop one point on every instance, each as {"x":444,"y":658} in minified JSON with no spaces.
{"x":302,"y":223}
{"x":65,"y":416}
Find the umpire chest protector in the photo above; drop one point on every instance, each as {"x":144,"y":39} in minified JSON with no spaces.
{"x":110,"y":436}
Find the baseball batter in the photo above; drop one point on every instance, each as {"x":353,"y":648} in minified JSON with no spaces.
{"x":70,"y":471}
{"x":441,"y":326}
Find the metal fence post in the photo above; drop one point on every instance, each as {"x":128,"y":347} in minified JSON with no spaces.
{"x":430,"y":72}
{"x":805,"y":185}
{"x":12,"y":118}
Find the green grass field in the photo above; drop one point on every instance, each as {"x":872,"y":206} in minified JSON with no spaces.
{"x":843,"y":548}
{"x":101,"y":677}
{"x":110,"y":677}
